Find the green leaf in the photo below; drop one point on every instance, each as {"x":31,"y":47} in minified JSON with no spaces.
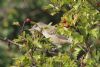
{"x":54,"y":1}
{"x":37,"y":43}
{"x":76,"y":52}
{"x":77,"y":38}
{"x":95,"y":32}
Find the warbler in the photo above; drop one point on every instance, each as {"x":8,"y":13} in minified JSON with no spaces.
{"x":50,"y":32}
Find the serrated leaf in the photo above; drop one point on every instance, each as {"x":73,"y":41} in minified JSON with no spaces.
{"x":77,"y":38}
{"x":76,"y":52}
{"x":94,"y":32}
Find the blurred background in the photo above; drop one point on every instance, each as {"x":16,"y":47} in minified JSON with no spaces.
{"x":13,"y":12}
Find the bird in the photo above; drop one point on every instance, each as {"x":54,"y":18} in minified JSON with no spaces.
{"x":49,"y":31}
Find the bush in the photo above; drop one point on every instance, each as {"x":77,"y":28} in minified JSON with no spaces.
{"x":79,"y":23}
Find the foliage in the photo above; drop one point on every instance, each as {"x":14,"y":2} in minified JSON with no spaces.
{"x":13,"y":12}
{"x":80,"y":21}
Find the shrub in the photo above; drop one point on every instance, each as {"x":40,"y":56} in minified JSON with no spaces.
{"x":79,"y":23}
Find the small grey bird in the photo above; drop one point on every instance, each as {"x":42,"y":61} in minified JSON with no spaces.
{"x":50,"y":32}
